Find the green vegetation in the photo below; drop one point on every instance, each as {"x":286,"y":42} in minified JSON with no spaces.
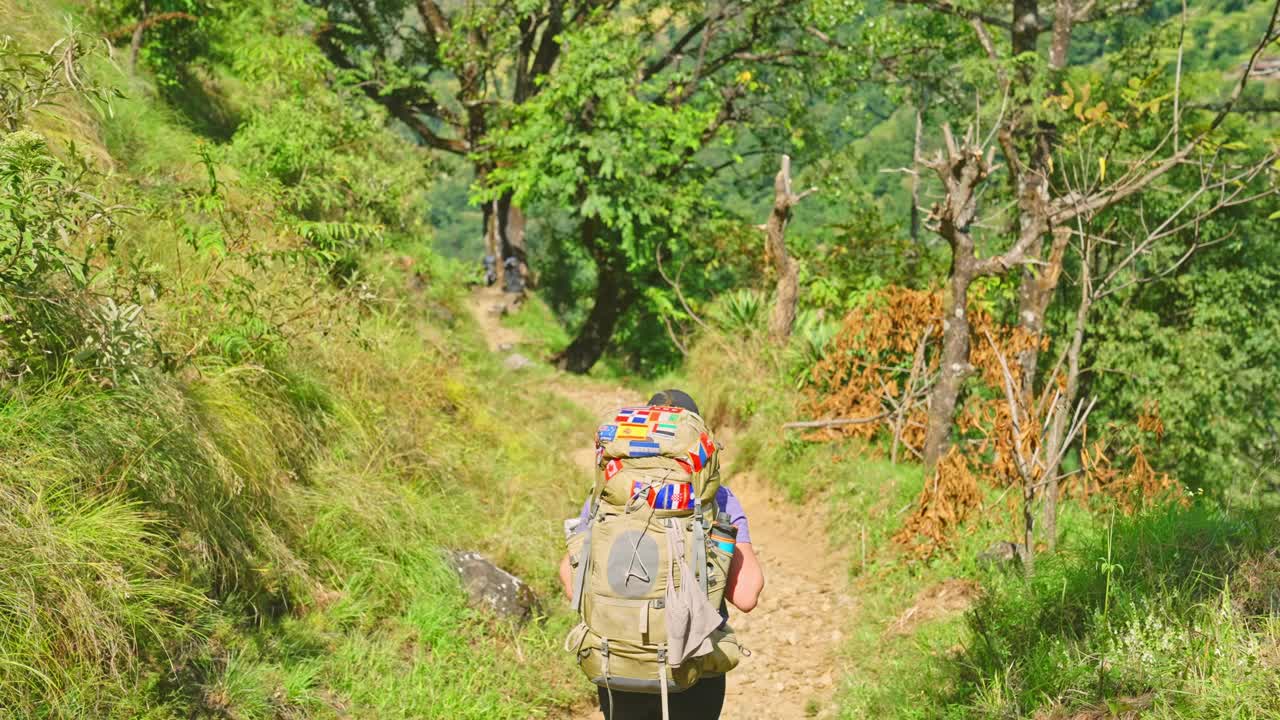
{"x":1168,"y":612}
{"x":243,"y":411}
{"x":242,"y":408}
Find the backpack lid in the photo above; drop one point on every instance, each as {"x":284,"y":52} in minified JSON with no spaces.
{"x":663,"y":441}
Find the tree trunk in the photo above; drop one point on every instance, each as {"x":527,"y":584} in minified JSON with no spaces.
{"x":1026,"y":26}
{"x":492,"y":246}
{"x":504,"y":240}
{"x":611,"y":286}
{"x":1039,"y":282}
{"x":955,"y":367}
{"x":783,"y":317}
{"x":917,"y":246}
{"x":961,"y":170}
{"x":1063,"y":24}
{"x":135,"y":42}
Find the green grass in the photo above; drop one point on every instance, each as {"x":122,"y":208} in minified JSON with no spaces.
{"x":541,"y":333}
{"x":248,"y":520}
{"x":145,"y":526}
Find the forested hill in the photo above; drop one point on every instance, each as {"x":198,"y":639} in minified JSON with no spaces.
{"x":987,"y":287}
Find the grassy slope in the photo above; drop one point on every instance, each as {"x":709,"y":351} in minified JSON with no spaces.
{"x":255,"y":533}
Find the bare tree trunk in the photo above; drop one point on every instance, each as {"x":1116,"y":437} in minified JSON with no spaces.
{"x":961,"y":170}
{"x":611,"y":286}
{"x":1064,"y":19}
{"x":783,"y":317}
{"x":786,"y":297}
{"x":955,"y":367}
{"x":1039,"y":282}
{"x":135,"y":42}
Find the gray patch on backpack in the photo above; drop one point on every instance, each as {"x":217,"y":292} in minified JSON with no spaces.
{"x":633,"y":564}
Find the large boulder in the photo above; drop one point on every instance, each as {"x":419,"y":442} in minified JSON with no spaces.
{"x":492,"y":589}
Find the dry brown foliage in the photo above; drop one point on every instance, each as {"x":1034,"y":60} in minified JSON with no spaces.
{"x":869,"y":363}
{"x":881,"y":365}
{"x":870,"y":368}
{"x":1133,"y":488}
{"x":944,"y":503}
{"x":949,"y":597}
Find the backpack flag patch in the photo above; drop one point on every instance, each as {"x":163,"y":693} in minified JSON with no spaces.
{"x":633,"y":416}
{"x":613,"y":467}
{"x":633,"y":432}
{"x":606,"y":434}
{"x":701,"y":453}
{"x":644,"y":448}
{"x":664,"y":429}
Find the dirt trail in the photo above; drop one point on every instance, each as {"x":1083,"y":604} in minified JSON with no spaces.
{"x":794,"y":635}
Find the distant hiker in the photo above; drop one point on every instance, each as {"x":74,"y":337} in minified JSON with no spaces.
{"x":490,"y":270}
{"x":511,"y":273}
{"x":659,"y":547}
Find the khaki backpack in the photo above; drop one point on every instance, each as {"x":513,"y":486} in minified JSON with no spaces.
{"x":648,"y":582}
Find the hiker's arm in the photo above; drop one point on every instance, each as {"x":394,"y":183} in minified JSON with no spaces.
{"x":566,"y":576}
{"x":746,"y":578}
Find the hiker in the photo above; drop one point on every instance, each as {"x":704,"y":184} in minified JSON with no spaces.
{"x":658,"y":486}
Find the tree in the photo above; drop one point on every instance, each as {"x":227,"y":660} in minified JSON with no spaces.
{"x":451,"y":72}
{"x":1048,"y":200}
{"x":616,"y":137}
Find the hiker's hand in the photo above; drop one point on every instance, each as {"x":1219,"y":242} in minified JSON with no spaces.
{"x":566,"y":576}
{"x":746,"y":578}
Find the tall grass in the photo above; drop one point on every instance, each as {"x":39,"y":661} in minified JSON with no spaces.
{"x":250,"y":522}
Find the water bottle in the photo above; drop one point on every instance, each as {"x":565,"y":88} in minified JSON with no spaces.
{"x":725,"y":536}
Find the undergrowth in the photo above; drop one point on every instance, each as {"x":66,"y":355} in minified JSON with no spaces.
{"x":240,"y":416}
{"x":1167,"y":613}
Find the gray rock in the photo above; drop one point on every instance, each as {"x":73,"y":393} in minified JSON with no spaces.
{"x":492,"y":589}
{"x":516,"y":361}
{"x":1000,"y":554}
{"x":442,"y":313}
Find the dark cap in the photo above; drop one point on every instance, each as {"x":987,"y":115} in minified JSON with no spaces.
{"x":674,"y":398}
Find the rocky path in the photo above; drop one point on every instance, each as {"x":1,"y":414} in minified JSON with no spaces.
{"x":795,"y":633}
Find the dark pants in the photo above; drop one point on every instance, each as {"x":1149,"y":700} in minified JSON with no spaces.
{"x":700,"y":702}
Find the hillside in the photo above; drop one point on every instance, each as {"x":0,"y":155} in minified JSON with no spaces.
{"x":245,"y":408}
{"x":982,"y":311}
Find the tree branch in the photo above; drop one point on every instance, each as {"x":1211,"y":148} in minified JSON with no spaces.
{"x":948,"y":8}
{"x":675,"y":51}
{"x":434,"y":18}
{"x":1072,"y":205}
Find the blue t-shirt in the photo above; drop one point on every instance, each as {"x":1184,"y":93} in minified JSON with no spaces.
{"x":726,"y":501}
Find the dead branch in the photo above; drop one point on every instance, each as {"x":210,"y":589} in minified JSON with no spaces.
{"x":909,"y":397}
{"x":675,"y":285}
{"x":783,"y":317}
{"x":839,"y":422}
